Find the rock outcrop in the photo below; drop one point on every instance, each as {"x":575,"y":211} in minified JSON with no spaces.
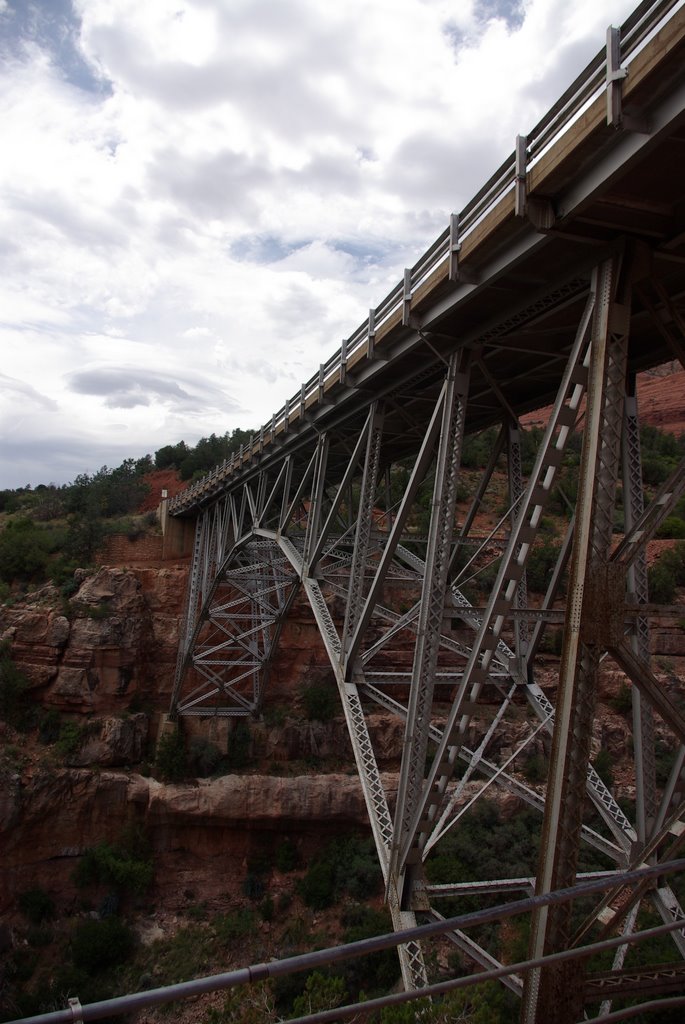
{"x":111,"y":646}
{"x":47,"y":822}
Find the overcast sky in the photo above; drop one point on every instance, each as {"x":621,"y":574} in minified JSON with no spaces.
{"x":200,"y":198}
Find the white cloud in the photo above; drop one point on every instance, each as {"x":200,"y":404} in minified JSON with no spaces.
{"x":202,"y":197}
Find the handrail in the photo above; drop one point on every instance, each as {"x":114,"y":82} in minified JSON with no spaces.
{"x":315,"y":959}
{"x":644,"y":21}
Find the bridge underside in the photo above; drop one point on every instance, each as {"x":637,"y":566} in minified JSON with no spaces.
{"x":414,"y":553}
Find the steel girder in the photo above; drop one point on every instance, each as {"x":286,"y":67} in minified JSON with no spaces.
{"x":371,"y":522}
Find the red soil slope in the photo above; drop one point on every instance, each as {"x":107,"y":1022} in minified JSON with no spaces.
{"x":660,"y":400}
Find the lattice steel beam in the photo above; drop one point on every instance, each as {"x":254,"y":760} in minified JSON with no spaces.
{"x":588,"y":592}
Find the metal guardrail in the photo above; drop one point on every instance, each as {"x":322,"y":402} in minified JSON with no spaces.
{"x":364,"y":947}
{"x":601,"y":73}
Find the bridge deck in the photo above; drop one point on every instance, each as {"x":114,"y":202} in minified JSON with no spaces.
{"x":587,"y":186}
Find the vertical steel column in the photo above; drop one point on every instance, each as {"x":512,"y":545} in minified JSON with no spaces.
{"x":515,"y":469}
{"x":316,"y":502}
{"x":363,"y":532}
{"x":636,"y":581}
{"x":553,"y":993}
{"x":193,"y":601}
{"x":432,"y":609}
{"x":285,"y":500}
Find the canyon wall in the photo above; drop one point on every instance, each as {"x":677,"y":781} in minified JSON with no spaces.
{"x":104,"y":660}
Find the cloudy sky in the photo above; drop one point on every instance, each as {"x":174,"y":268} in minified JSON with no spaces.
{"x":200,"y":198}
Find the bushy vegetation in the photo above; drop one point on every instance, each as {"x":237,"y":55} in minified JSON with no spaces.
{"x":170,"y":759}
{"x":379,"y":971}
{"x":477,"y":448}
{"x":14,"y":699}
{"x":660,"y":453}
{"x":234,"y":925}
{"x":667,"y":574}
{"x":37,"y":905}
{"x":52,"y":530}
{"x":203,"y":757}
{"x":320,"y":701}
{"x":487,"y":847}
{"x":26,"y":548}
{"x":207,"y":453}
{"x":347,"y":866}
{"x":540,"y":564}
{"x":97,"y":945}
{"x":126,"y":866}
{"x":175,"y":759}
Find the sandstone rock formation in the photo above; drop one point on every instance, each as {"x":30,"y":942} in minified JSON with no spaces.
{"x":207,"y":825}
{"x":111,"y":646}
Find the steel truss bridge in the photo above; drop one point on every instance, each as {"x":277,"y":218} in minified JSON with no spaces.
{"x":560,"y":281}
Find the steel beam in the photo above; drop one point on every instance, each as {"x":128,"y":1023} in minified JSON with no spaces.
{"x":587,"y":593}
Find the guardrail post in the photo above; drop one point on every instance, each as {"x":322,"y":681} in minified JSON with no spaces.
{"x":520,"y":186}
{"x":371,"y":339}
{"x":343,"y":361}
{"x":406,"y":298}
{"x":455,"y":248}
{"x":615,"y":76}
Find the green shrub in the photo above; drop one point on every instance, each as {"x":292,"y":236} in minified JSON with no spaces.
{"x":487,"y":1003}
{"x":667,"y":574}
{"x":234,"y":925}
{"x":170,"y":759}
{"x":49,"y":727}
{"x":14,"y":696}
{"x":317,"y":888}
{"x":126,"y":867}
{"x":535,"y":768}
{"x":622,"y":703}
{"x":36,"y":905}
{"x":347,"y":866}
{"x":485,"y":846}
{"x":96,"y":945}
{"x":274,"y":715}
{"x":476,"y":448}
{"x":664,"y":758}
{"x":552,"y":641}
{"x":253,"y":886}
{"x":39,"y":935}
{"x":267,"y":908}
{"x":238,"y":754}
{"x":25,"y":550}
{"x":672,"y":527}
{"x":321,"y":992}
{"x":661,"y":583}
{"x":320,"y":702}
{"x":204,"y":756}
{"x":541,"y":561}
{"x":287,"y":857}
{"x":71,"y":738}
{"x":379,"y":971}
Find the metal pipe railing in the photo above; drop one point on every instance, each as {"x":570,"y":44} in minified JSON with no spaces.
{"x":364,"y":947}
